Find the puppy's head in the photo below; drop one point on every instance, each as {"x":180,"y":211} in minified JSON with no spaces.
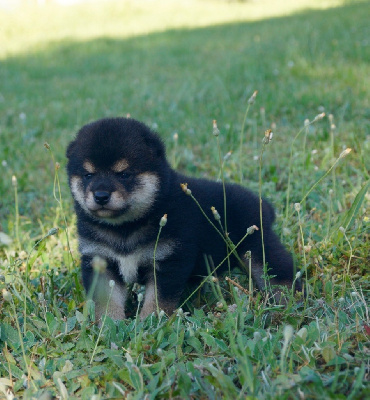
{"x":115,"y":167}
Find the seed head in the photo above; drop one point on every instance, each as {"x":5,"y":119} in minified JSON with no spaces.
{"x":184,"y":187}
{"x":342,"y":229}
{"x":14,"y":181}
{"x":252,"y":99}
{"x":248,"y":255}
{"x":251,"y":229}
{"x":175,"y":137}
{"x":163,"y":220}
{"x":112,"y":283}
{"x":99,"y":264}
{"x":52,"y":231}
{"x":47,"y":145}
{"x":216,"y":132}
{"x":215,"y":214}
{"x":140,"y":297}
{"x":268,"y":136}
{"x":345,"y":152}
{"x":57,"y":166}
{"x":318,"y":117}
{"x":297,"y":207}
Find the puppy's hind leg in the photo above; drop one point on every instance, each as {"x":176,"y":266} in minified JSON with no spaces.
{"x":280,"y":269}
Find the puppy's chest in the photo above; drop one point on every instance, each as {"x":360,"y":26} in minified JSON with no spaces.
{"x":128,"y":255}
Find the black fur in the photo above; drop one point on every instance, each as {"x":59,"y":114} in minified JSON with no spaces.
{"x":190,"y":235}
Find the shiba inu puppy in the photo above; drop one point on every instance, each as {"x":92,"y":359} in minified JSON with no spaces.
{"x":122,"y":185}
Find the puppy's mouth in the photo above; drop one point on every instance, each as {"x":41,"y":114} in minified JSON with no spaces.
{"x":104,"y":212}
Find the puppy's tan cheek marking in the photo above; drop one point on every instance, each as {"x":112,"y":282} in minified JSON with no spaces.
{"x":117,"y":200}
{"x":77,"y":191}
{"x":89,"y":167}
{"x":143,"y":196}
{"x":120,"y":165}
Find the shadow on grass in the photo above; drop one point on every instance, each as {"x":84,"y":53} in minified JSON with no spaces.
{"x":179,"y":80}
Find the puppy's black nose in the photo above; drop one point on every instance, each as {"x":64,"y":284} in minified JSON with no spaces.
{"x":101,"y":197}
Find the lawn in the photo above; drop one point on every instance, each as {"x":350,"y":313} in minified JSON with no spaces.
{"x":177,"y":66}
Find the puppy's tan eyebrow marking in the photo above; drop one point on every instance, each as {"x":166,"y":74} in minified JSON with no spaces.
{"x":120,"y":165}
{"x":89,"y":167}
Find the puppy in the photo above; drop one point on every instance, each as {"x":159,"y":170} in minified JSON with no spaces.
{"x":122,"y":185}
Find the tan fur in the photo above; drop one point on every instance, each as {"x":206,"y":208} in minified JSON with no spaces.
{"x":128,"y":264}
{"x":139,"y":202}
{"x":116,"y":202}
{"x":117,"y":300}
{"x":78,"y":192}
{"x":120,"y":165}
{"x":150,"y":305}
{"x":89,"y":167}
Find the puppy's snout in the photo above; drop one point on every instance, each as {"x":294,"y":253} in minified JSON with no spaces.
{"x":101,"y":197}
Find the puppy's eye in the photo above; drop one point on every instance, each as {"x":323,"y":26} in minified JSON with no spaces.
{"x":123,"y":175}
{"x":88,"y":176}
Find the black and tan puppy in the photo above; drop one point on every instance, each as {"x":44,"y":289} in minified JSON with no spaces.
{"x":122,"y":185}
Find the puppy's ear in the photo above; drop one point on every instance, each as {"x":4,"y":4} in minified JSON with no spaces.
{"x":155,"y":145}
{"x":70,"y":149}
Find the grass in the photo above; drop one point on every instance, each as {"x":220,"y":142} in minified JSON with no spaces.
{"x":177,"y":72}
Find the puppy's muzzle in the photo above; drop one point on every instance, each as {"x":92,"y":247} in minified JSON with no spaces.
{"x":101,"y":197}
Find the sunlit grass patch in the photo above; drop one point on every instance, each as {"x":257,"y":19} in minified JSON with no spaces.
{"x":123,"y":19}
